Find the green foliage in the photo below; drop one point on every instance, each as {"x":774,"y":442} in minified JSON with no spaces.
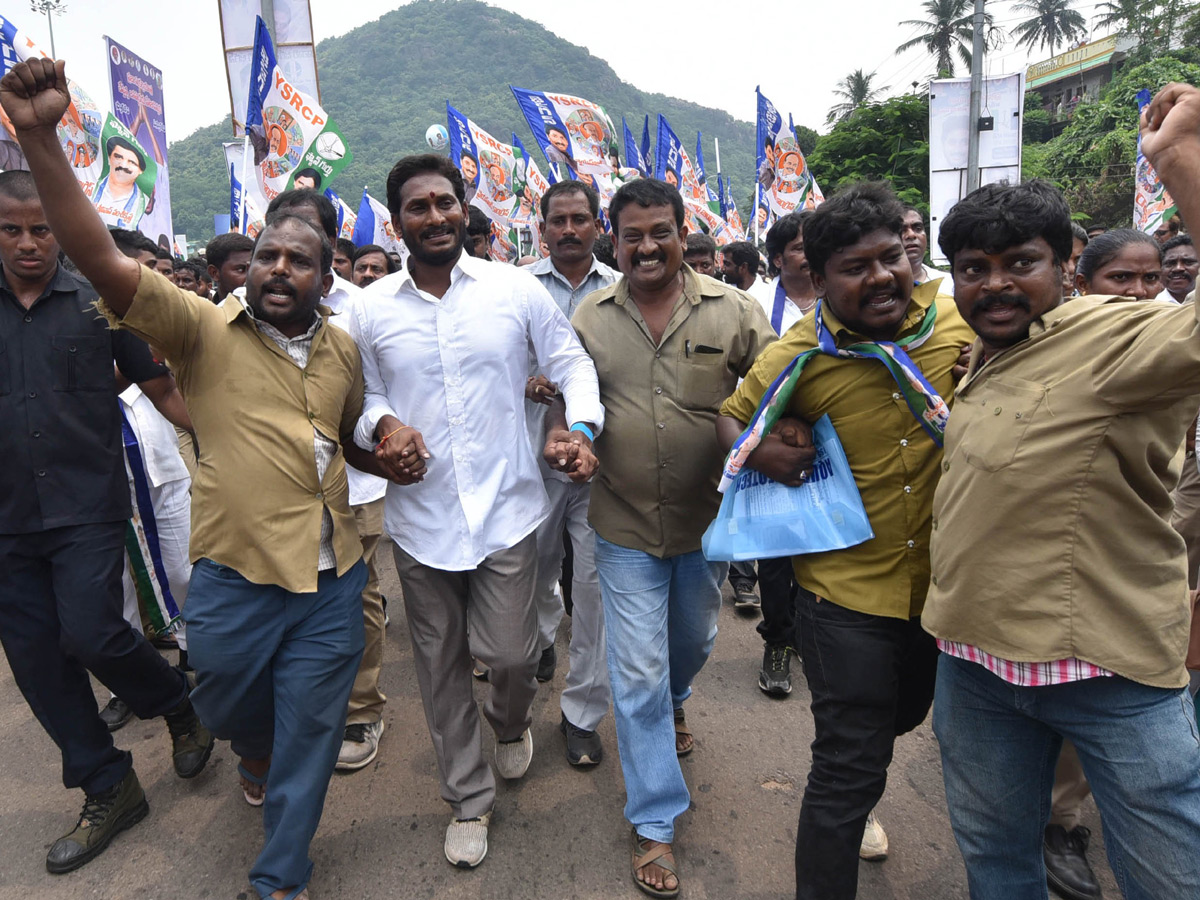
{"x":1035,"y":127}
{"x":946,"y":32}
{"x":884,"y":141}
{"x":1050,"y":23}
{"x":385,"y":83}
{"x":1093,"y":160}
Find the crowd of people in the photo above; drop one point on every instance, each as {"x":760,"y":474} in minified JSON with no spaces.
{"x":214,"y":451}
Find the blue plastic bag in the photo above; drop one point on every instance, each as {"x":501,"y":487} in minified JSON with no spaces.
{"x":763,"y":519}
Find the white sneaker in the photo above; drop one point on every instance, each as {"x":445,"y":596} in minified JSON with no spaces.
{"x":513,"y":757}
{"x":466,"y":841}
{"x":359,"y":747}
{"x":874,"y":842}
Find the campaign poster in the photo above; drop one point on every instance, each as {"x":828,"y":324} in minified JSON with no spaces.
{"x":486,"y":165}
{"x":79,"y":129}
{"x":1152,"y":205}
{"x":295,"y":144}
{"x":128,"y":173}
{"x":137,"y":103}
{"x":574,"y":133}
{"x":373,"y":225}
{"x":787,"y":184}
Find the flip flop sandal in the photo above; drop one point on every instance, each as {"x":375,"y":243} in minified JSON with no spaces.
{"x":256,"y":780}
{"x":643,"y":858}
{"x":682,"y":729}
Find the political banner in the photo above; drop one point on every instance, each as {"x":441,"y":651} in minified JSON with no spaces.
{"x":254,"y":204}
{"x":78,"y":131}
{"x":136,"y":88}
{"x":729,"y":210}
{"x":373,"y":225}
{"x":529,"y":185}
{"x":295,"y":144}
{"x":125,"y":188}
{"x":787,"y":184}
{"x":346,"y":217}
{"x":293,"y":43}
{"x":1152,"y":205}
{"x":633,"y":153}
{"x":647,"y":156}
{"x":674,"y":166}
{"x":486,"y":165}
{"x":574,"y":133}
{"x":714,"y":202}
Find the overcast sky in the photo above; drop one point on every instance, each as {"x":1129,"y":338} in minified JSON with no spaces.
{"x":797,"y":52}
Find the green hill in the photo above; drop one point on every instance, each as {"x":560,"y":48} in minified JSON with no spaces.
{"x":385,"y":83}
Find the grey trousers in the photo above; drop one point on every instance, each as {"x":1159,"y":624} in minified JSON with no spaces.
{"x":495,"y":600}
{"x":587,"y":695}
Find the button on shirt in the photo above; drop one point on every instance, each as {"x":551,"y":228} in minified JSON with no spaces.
{"x":364,"y":488}
{"x":894,"y":462}
{"x":61,"y":455}
{"x":455,"y":368}
{"x":1052,"y":520}
{"x":568,"y":299}
{"x":264,"y":482}
{"x":656,"y":490}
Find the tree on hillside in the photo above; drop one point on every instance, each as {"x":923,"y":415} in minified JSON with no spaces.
{"x":885,"y":141}
{"x":946,"y":31}
{"x":1132,"y":17}
{"x":854,"y":90}
{"x":1051,"y":23}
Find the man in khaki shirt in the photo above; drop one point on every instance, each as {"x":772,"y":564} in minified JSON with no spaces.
{"x":668,"y":346}
{"x":274,"y":619}
{"x":1059,"y":590}
{"x":870,"y":667}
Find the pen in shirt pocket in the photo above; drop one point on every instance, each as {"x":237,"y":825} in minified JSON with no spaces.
{"x":687,"y":348}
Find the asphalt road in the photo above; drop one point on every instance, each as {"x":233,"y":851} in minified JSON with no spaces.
{"x":558,"y":833}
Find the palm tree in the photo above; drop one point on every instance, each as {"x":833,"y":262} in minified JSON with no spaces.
{"x":854,"y":90}
{"x":947,"y":31}
{"x":1052,"y":22}
{"x":1127,"y":17}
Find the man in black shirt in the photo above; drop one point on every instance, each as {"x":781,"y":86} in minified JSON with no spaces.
{"x":64,"y":502}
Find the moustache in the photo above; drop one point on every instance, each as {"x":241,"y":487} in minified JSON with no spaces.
{"x":569,"y":240}
{"x":279,"y":286}
{"x":125,"y":169}
{"x":657,"y":257}
{"x":435,"y":231}
{"x":983,"y":304}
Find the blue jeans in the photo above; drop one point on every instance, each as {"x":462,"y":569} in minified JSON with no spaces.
{"x":1139,"y":749}
{"x":661,"y":619}
{"x":274,"y":671}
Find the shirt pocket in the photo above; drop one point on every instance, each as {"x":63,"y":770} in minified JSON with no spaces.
{"x":82,"y":362}
{"x":702,"y":379}
{"x":1004,"y":412}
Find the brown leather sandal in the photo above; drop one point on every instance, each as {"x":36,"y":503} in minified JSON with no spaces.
{"x":643,"y":857}
{"x":681,"y":730}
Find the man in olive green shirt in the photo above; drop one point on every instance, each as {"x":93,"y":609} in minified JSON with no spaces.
{"x":870,"y":667}
{"x":668,"y":347}
{"x":274,"y":618}
{"x":1059,"y":590}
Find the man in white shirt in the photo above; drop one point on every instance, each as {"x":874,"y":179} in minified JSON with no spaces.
{"x":916,"y":242}
{"x":570,"y":223}
{"x":364,"y":714}
{"x":445,"y":345}
{"x":791,"y":293}
{"x":739,"y":267}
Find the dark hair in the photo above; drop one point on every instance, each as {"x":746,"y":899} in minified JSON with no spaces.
{"x":192,"y":265}
{"x":131,"y":243}
{"x":282,"y":215}
{"x":646,"y":192}
{"x":1103,"y":249}
{"x":310,"y":173}
{"x":999,"y":216}
{"x":17,"y":184}
{"x":1180,"y":240}
{"x":742,"y":253}
{"x":411,"y":166}
{"x":571,"y":187}
{"x":163,"y":253}
{"x":201,"y":269}
{"x":345,"y":247}
{"x":1078,"y":234}
{"x":298,"y":198}
{"x":367,"y":249}
{"x":223,"y":246}
{"x":603,"y":250}
{"x":700,"y":244}
{"x":843,"y":220}
{"x":477,"y":222}
{"x":783,"y":232}
{"x":117,"y":141}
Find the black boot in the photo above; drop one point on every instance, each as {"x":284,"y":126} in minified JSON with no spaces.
{"x":104,"y":816}
{"x":1067,"y":871}
{"x":191,"y":742}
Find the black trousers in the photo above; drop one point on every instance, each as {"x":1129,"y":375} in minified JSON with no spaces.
{"x":871,"y":679}
{"x":60,"y":617}
{"x":778,"y":592}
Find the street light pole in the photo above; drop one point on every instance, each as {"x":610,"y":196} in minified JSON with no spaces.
{"x":51,"y":8}
{"x":976,"y":98}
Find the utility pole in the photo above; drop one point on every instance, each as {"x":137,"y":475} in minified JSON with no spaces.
{"x":976,"y":98}
{"x":51,"y":8}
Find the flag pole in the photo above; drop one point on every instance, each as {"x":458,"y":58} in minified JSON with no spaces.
{"x":757,"y":197}
{"x":242,"y":229}
{"x":717,"y":149}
